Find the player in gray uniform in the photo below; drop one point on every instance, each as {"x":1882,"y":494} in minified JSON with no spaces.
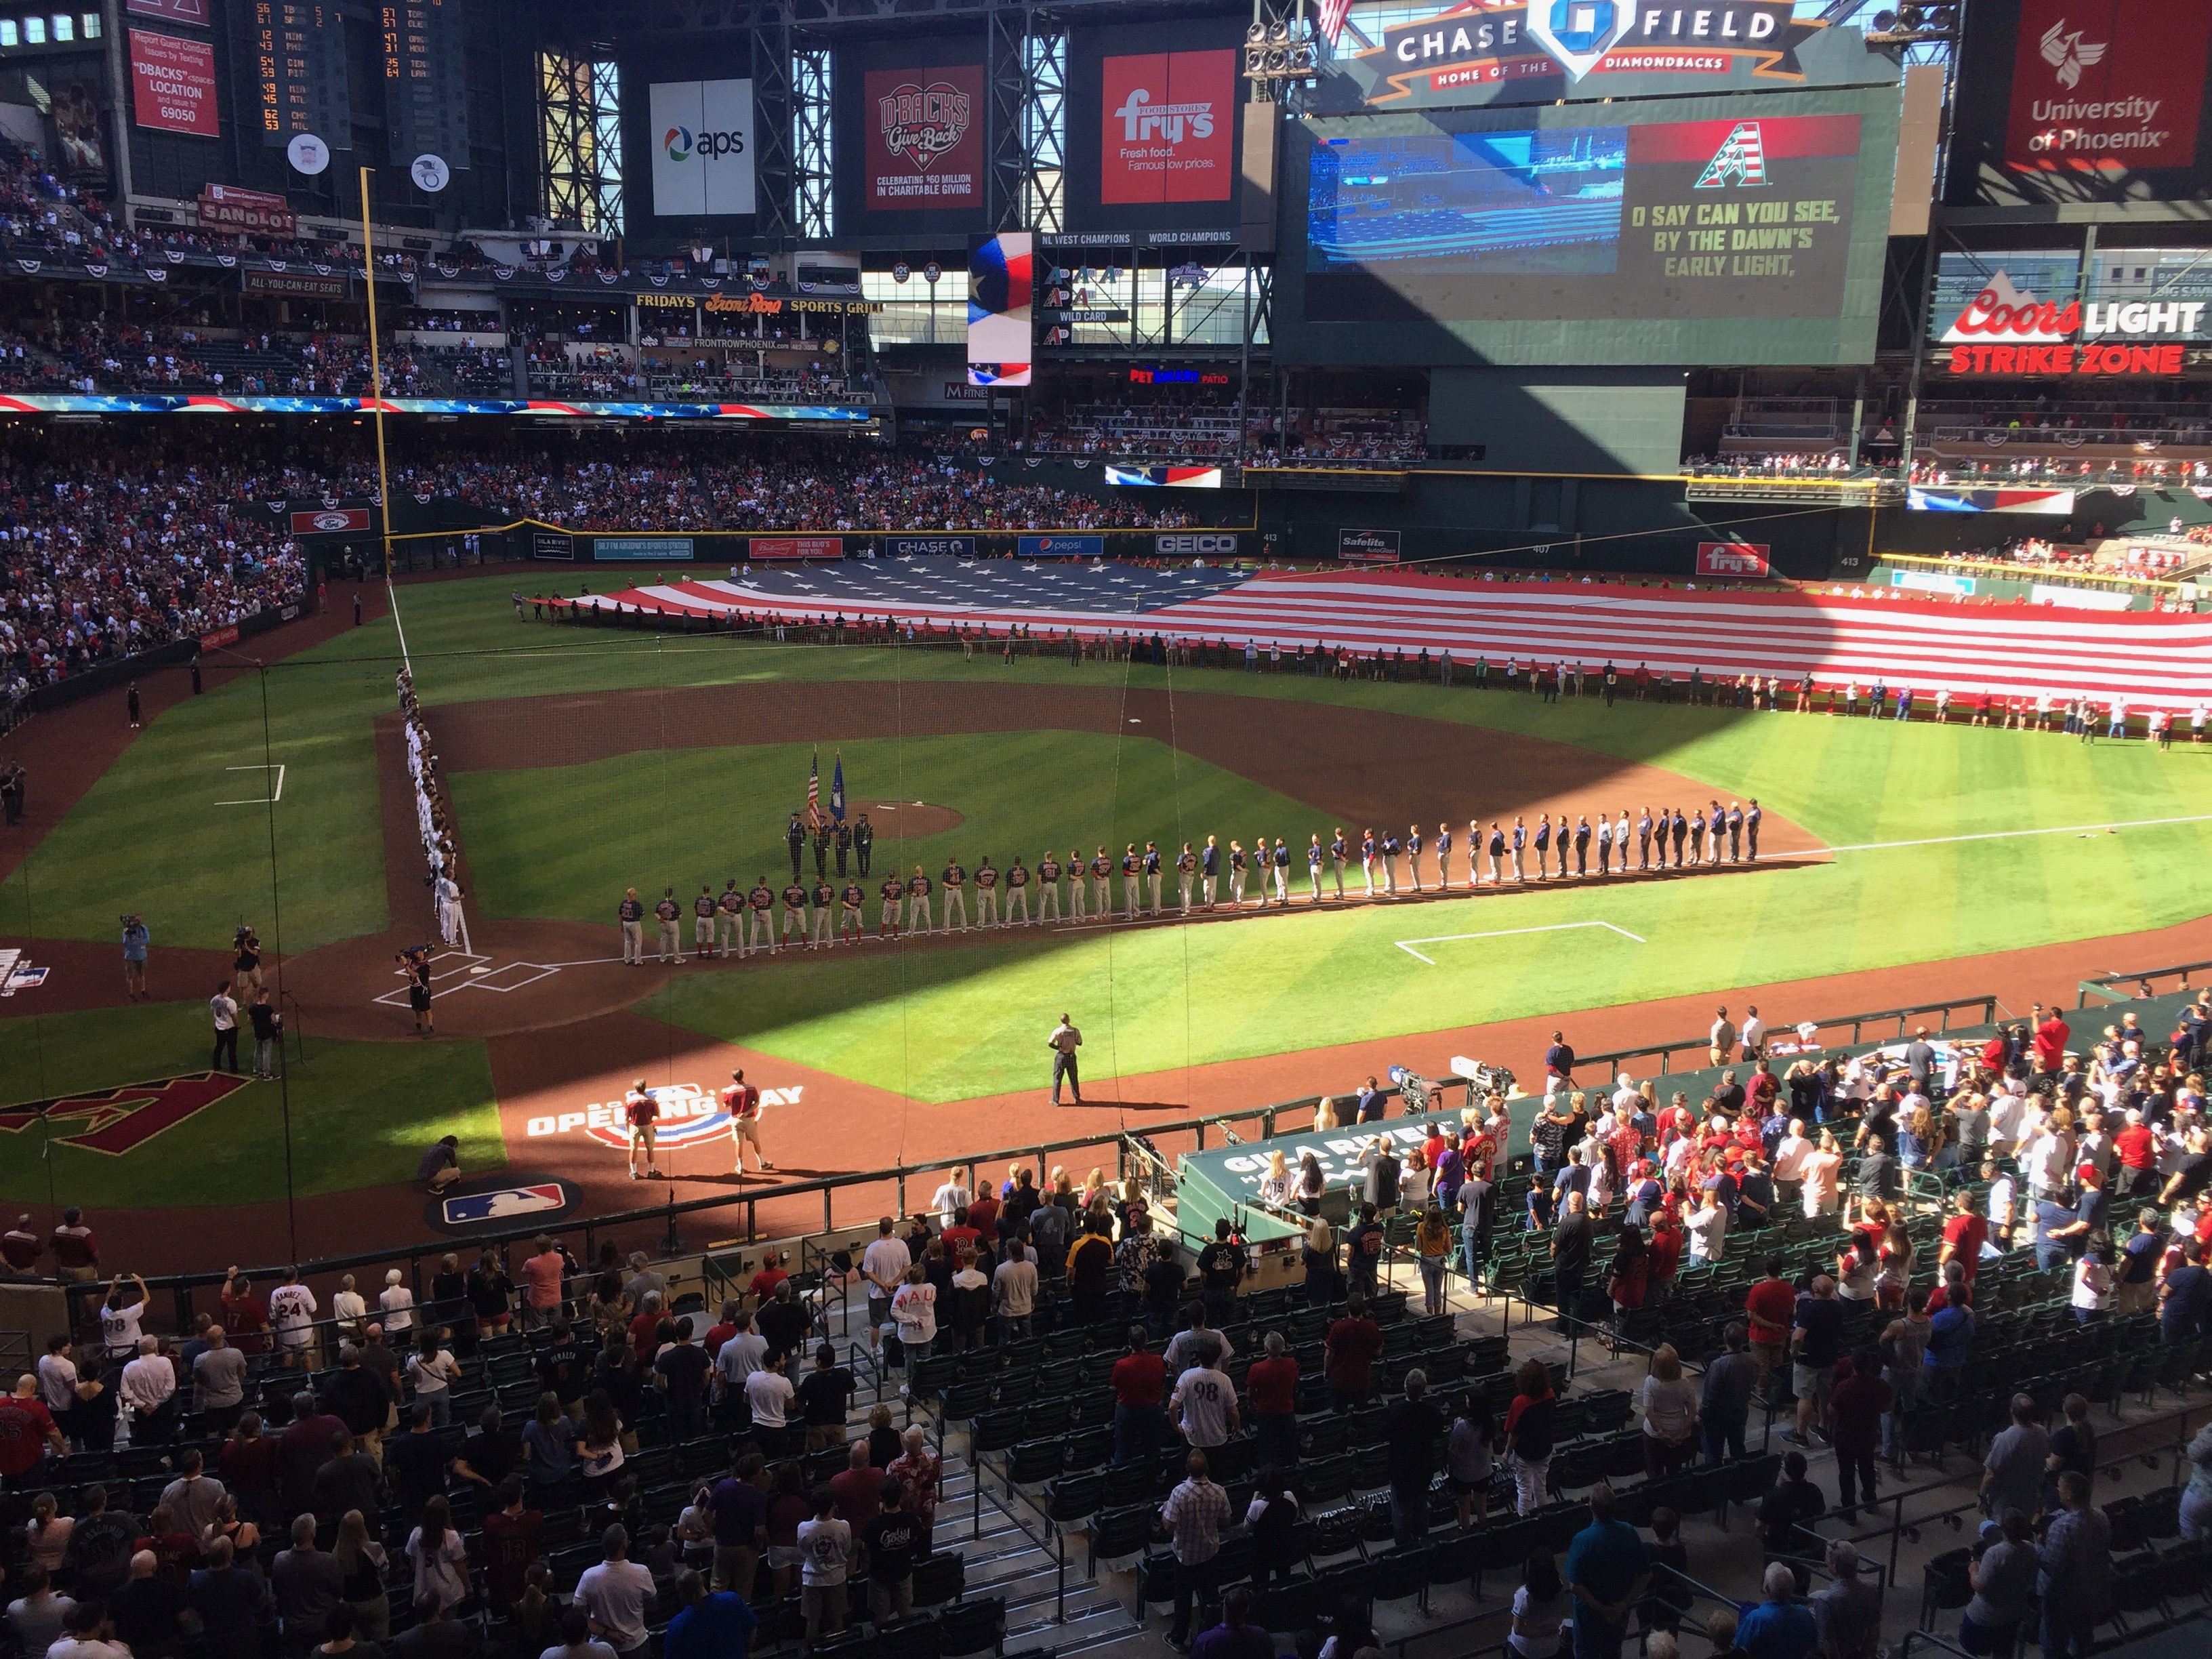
{"x":1186,"y":871}
{"x":761,"y":933}
{"x":1152,"y":873}
{"x":729,"y":919}
{"x":631,"y":914}
{"x":702,"y":923}
{"x":1048,"y":874}
{"x":1443,"y":858}
{"x":672,"y":943}
{"x":1018,"y":890}
{"x":987,"y":893}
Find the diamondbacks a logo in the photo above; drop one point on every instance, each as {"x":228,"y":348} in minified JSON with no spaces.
{"x":923,"y":123}
{"x":1740,"y":160}
{"x":2068,"y":54}
{"x":119,"y":1121}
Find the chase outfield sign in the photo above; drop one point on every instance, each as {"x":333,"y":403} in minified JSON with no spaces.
{"x":1483,"y":52}
{"x":688,"y":1114}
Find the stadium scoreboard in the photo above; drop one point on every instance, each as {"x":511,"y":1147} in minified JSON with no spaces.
{"x":299,"y":52}
{"x":425,"y":80}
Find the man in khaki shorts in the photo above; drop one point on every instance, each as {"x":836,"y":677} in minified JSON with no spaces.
{"x":743,"y":1103}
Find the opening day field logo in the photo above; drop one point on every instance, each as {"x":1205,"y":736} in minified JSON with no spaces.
{"x":688,"y":1114}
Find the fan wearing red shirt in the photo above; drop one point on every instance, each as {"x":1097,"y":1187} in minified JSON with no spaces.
{"x":1964,"y":1235}
{"x":1666,"y":1251}
{"x":1349,"y":1352}
{"x":245,"y":1316}
{"x":1272,"y":1384}
{"x":763,"y":1283}
{"x":960,"y":1236}
{"x":983,"y":1215}
{"x":27,"y":1431}
{"x":2050,"y":1035}
{"x":2137,"y":1146}
{"x":1772,"y":1304}
{"x":1139,"y":1381}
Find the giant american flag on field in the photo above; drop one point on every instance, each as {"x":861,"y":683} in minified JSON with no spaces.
{"x":2149,"y":660}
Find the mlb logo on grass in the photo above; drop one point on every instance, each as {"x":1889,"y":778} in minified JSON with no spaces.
{"x":504,"y":1201}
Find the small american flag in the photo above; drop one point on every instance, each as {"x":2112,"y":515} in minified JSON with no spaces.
{"x":814,"y":791}
{"x":1333,"y":13}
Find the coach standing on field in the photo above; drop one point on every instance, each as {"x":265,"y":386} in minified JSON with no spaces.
{"x":1064,"y":1042}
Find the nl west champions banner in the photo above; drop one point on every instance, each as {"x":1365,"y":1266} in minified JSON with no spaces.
{"x":702,"y":148}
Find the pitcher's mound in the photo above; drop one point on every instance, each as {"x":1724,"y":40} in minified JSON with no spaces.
{"x":910,"y":820}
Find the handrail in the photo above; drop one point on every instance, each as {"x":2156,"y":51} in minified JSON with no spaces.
{"x":1987,"y":1002}
{"x":182,"y":1285}
{"x":2096,"y":984}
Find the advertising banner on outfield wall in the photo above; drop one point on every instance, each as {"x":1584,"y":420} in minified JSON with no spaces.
{"x":330,"y":521}
{"x":777,"y":549}
{"x":926,"y":547}
{"x":1063,"y":547}
{"x":552,"y":544}
{"x":1733,"y":558}
{"x":1368,"y":546}
{"x":1504,"y":52}
{"x":643,"y":549}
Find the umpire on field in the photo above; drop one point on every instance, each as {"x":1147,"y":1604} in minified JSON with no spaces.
{"x":1064,"y":1042}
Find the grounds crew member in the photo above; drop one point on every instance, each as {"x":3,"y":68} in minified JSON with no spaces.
{"x":1047,"y":886}
{"x":761,"y":900}
{"x":864,"y":842}
{"x":1018,"y":890}
{"x":794,"y":911}
{"x":893,"y":894}
{"x":822,"y":895}
{"x":850,"y":921}
{"x":987,"y":893}
{"x":672,"y":944}
{"x":917,"y":901}
{"x":729,"y":919}
{"x":956,"y":895}
{"x":702,"y":922}
{"x":631,"y":912}
{"x":794,"y":837}
{"x":1064,"y":1042}
{"x":743,"y":1103}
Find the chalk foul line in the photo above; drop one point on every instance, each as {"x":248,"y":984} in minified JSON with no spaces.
{"x":1407,"y":944}
{"x":2014,"y":835}
{"x":269,"y":799}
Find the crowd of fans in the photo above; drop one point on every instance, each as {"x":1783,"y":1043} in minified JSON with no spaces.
{"x":1168,"y":429}
{"x":522,"y":1463}
{"x":99,"y":563}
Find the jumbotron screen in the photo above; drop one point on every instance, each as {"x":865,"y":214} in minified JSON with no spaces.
{"x":1468,"y":220}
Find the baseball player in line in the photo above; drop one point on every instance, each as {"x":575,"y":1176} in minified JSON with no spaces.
{"x":672,"y":944}
{"x":631,"y":914}
{"x":1018,"y":890}
{"x":1075,"y":911}
{"x":821,"y":894}
{"x":702,"y":923}
{"x":987,"y":893}
{"x":794,"y":911}
{"x":1186,"y":871}
{"x":917,"y":901}
{"x":956,"y":897}
{"x":1048,"y":872}
{"x":761,"y":901}
{"x":729,"y":919}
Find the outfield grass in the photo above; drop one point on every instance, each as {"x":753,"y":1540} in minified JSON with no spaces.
{"x":362,"y":1113}
{"x":953,"y":1023}
{"x":564,"y":842}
